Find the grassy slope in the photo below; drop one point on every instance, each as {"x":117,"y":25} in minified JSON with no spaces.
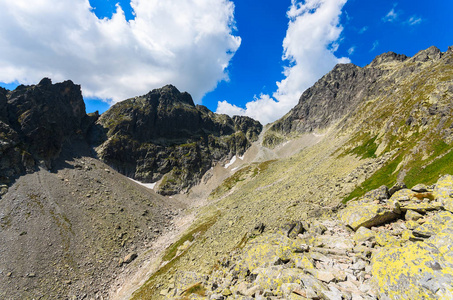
{"x":311,"y":183}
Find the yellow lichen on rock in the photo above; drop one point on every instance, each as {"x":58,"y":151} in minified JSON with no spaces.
{"x":366,"y":215}
{"x":444,"y":191}
{"x":415,"y":271}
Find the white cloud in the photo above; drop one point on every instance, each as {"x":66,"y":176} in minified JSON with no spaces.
{"x":351,"y":50}
{"x":391,"y":16}
{"x":375,"y":45}
{"x":363,"y":29}
{"x":414,"y":20}
{"x":311,"y":40}
{"x":188,"y":43}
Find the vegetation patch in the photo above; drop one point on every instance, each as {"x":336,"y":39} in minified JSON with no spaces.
{"x":430,"y":173}
{"x":243,"y":174}
{"x":367,"y":149}
{"x":149,"y":289}
{"x":197,"y":289}
{"x":384,"y":176}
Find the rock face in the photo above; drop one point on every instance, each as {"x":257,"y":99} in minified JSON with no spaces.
{"x":35,"y":123}
{"x":163,"y":135}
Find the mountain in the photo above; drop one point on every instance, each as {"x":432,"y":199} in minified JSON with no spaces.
{"x":36,"y":121}
{"x":280,"y":228}
{"x":344,"y":197}
{"x":69,"y":222}
{"x":164,"y":136}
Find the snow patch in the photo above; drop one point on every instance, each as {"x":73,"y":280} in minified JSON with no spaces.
{"x":147,"y":185}
{"x":232,"y":161}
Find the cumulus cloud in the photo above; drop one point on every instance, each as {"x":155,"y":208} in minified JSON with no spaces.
{"x":188,"y":43}
{"x":309,"y":47}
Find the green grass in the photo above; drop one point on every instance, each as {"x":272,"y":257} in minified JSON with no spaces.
{"x":383,"y":176}
{"x":430,"y":173}
{"x":367,"y":149}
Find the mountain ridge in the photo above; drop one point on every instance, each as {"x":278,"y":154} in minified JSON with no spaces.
{"x":354,"y":131}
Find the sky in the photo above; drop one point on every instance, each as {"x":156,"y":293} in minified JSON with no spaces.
{"x":246,"y":57}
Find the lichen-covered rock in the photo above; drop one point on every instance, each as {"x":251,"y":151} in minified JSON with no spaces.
{"x":412,"y":215}
{"x":420,"y":188}
{"x":415,"y":271}
{"x":402,"y":195}
{"x":274,"y":277}
{"x":366,"y":214}
{"x":443,"y":192}
{"x":364,"y":234}
{"x":268,"y":250}
{"x":386,"y":239}
{"x":434,"y":225}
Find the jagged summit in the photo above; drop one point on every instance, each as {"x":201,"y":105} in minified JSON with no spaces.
{"x":145,"y":138}
{"x":169,"y":95}
{"x":340,"y":92}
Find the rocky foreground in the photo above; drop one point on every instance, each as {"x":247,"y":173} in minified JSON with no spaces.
{"x":390,"y":244}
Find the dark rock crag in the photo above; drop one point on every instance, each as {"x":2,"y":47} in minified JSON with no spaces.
{"x":161,"y":135}
{"x":164,"y":136}
{"x":35,"y":123}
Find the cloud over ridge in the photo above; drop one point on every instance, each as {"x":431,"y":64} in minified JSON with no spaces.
{"x":309,"y":47}
{"x":188,"y":43}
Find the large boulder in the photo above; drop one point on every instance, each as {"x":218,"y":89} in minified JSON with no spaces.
{"x":366,"y":214}
{"x":443,"y":192}
{"x":415,"y":271}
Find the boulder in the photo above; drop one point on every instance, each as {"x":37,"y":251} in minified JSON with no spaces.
{"x":402,"y":195}
{"x":443,"y":192}
{"x":130,"y":257}
{"x":412,"y":215}
{"x":364,"y":234}
{"x":420,"y":188}
{"x":381,"y":193}
{"x":415,"y":271}
{"x":366,"y":215}
{"x":268,"y":250}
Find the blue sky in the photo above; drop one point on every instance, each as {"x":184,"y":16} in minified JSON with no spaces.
{"x":252,"y":57}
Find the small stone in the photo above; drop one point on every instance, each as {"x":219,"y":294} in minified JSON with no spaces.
{"x":364,"y":234}
{"x":398,"y":186}
{"x":412,"y":215}
{"x":130,"y":257}
{"x":31,"y":275}
{"x":226,"y":292}
{"x":9,"y":274}
{"x":420,"y":188}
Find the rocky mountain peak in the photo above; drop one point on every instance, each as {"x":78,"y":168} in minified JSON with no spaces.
{"x":341,"y":91}
{"x":386,"y":58}
{"x":432,"y":53}
{"x":169,"y":95}
{"x":35,"y":123}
